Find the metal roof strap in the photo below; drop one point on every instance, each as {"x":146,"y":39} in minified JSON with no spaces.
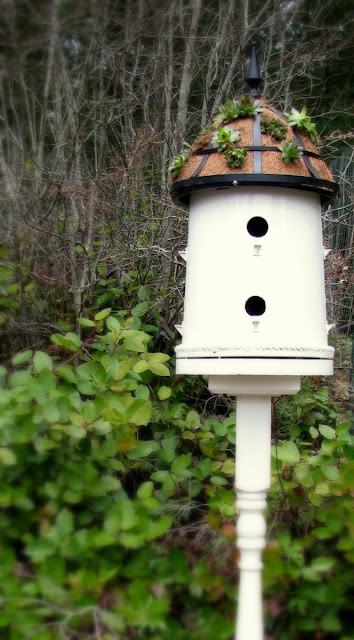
{"x":254,"y":79}
{"x":202,"y":163}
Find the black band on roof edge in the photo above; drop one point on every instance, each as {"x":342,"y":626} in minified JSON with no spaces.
{"x":180,"y":191}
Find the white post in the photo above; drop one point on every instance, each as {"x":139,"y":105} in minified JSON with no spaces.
{"x":253,"y":442}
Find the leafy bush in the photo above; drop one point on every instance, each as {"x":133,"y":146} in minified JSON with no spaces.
{"x":118,"y":515}
{"x":94,"y":470}
{"x":313,"y":551}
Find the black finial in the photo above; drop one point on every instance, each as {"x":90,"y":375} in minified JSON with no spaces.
{"x":254,"y":78}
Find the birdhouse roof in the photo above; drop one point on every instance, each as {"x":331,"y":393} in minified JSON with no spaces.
{"x":264,"y":160}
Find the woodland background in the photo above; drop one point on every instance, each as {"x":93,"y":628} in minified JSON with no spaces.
{"x":117,"y":489}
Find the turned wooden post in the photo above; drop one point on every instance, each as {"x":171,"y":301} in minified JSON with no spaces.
{"x":253,"y":441}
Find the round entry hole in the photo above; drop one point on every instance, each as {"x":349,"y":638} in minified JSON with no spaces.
{"x":255,"y":306}
{"x":257,"y":227}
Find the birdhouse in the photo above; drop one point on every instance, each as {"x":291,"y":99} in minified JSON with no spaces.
{"x":255,"y":301}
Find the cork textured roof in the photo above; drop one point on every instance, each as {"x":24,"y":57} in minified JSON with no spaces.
{"x":271,"y":161}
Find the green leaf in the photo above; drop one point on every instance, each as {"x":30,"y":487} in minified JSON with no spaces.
{"x":192,"y":419}
{"x":164,"y":392}
{"x":7,"y":457}
{"x":303,"y":474}
{"x":343,"y":427}
{"x":348,"y":451}
{"x":220,"y":428}
{"x":218,"y":480}
{"x":20,"y":378}
{"x":315,"y":499}
{"x":334,"y":522}
{"x":228,"y":467}
{"x":330,"y":472}
{"x":135,"y":344}
{"x":145,"y":490}
{"x":88,"y":411}
{"x":122,"y":369}
{"x":74,"y":339}
{"x":151,"y":504}
{"x":310,"y":574}
{"x":112,"y":621}
{"x":159,"y":369}
{"x":66,"y":372}
{"x":330,"y":622}
{"x":121,"y":517}
{"x":86,"y":387}
{"x":130,"y":540}
{"x":117,"y":465}
{"x":143,"y":293}
{"x":40,"y":550}
{"x":322,"y":533}
{"x":64,"y":523}
{"x":70,"y":341}
{"x":181,"y":463}
{"x":116,"y":404}
{"x":73,"y":497}
{"x":113,"y":324}
{"x":313,"y":432}
{"x":112,"y":483}
{"x":159,"y":476}
{"x":322,"y":489}
{"x":327,"y":432}
{"x":157,"y":528}
{"x":85,"y":322}
{"x":209,"y":449}
{"x":91,"y":371}
{"x":205,"y":467}
{"x":323,"y":564}
{"x":75,"y":431}
{"x":22,"y":357}
{"x":102,"y":428}
{"x":139,"y":412}
{"x":101,"y":315}
{"x":51,"y":412}
{"x":143,"y":448}
{"x":140,"y":366}
{"x":76,"y":418}
{"x":41,"y":360}
{"x":288,"y":452}
{"x":140,"y":309}
{"x":44,"y":444}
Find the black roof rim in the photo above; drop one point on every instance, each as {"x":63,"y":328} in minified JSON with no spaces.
{"x":181,"y":190}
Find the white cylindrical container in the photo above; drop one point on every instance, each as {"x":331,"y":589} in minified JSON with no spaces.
{"x":255,"y":277}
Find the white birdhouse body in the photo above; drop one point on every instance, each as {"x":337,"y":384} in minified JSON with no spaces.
{"x":254,"y":282}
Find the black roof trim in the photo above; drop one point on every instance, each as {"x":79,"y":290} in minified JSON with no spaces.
{"x":181,"y":190}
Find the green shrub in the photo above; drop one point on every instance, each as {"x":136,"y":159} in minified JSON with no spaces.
{"x":118,"y":502}
{"x":99,"y":458}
